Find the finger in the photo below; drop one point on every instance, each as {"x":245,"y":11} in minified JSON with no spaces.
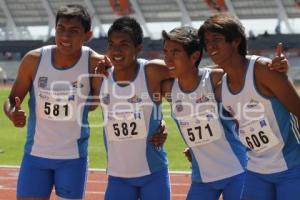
{"x":17,"y":104}
{"x":279,"y":49}
{"x":107,"y":62}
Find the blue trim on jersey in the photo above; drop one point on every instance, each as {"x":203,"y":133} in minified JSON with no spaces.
{"x":157,"y":159}
{"x":291,"y":149}
{"x":85,"y":131}
{"x":32,"y":111}
{"x":230,"y":129}
{"x":104,"y":136}
{"x":83,"y":141}
{"x":295,"y":127}
{"x":196,"y":176}
{"x":31,"y":122}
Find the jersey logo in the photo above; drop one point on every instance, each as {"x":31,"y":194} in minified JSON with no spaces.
{"x":134,"y":99}
{"x":262,"y":123}
{"x":106,"y":99}
{"x":179,"y":107}
{"x":202,"y":99}
{"x":43,"y":80}
{"x":230,"y":110}
{"x":75,"y":84}
{"x":71,"y":98}
{"x":252,"y":103}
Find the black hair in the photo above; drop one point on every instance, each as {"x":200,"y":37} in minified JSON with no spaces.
{"x":130,"y":26}
{"x":187,"y":36}
{"x":75,"y":11}
{"x":227,"y":25}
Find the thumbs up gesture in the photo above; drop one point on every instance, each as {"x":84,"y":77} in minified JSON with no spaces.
{"x":280,"y":62}
{"x":18,"y":116}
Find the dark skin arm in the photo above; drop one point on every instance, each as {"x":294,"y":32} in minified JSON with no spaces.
{"x":98,"y":72}
{"x":157,"y":72}
{"x":24,"y":79}
{"x":272,"y":83}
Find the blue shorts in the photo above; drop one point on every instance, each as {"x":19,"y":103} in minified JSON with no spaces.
{"x":154,"y":186}
{"x":230,"y":188}
{"x":280,"y":186}
{"x":38,"y":175}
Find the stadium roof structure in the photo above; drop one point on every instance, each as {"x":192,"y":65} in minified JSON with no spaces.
{"x":17,"y":15}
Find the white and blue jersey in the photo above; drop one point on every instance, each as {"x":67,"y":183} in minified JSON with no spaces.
{"x":57,"y":124}
{"x":266,"y":127}
{"x":130,"y":118}
{"x":216,"y":153}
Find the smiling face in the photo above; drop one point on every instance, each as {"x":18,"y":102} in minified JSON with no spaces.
{"x":122,"y":50}
{"x":177,"y":59}
{"x":70,"y":36}
{"x":218,"y":49}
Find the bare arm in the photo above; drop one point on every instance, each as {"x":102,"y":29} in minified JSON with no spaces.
{"x":272,"y":83}
{"x":216,"y":76}
{"x":96,"y":79}
{"x":23,"y":82}
{"x":156,"y":72}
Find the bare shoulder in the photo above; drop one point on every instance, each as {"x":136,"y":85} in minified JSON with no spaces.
{"x":157,"y":62}
{"x":262,"y":70}
{"x":95,"y":57}
{"x":264,"y":61}
{"x":30,"y":62}
{"x":216,"y":75}
{"x":156,"y":69}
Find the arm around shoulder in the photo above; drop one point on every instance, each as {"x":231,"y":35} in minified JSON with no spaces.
{"x":277,"y":84}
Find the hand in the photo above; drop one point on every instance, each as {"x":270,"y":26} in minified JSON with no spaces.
{"x":280,"y":62}
{"x":102,"y":66}
{"x":160,"y":137}
{"x":187,"y":154}
{"x":18,"y":116}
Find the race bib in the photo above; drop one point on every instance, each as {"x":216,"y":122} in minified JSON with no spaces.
{"x":258,"y":135}
{"x":125,"y":125}
{"x":200,"y":129}
{"x":57,"y":105}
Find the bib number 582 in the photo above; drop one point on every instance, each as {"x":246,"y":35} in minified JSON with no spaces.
{"x":123,"y":129}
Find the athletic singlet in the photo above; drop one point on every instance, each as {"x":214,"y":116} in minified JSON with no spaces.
{"x":130,"y":117}
{"x":266,"y":127}
{"x":216,"y":153}
{"x":57,"y":124}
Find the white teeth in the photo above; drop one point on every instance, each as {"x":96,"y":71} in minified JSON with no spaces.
{"x":171,"y":68}
{"x":214,"y":53}
{"x":66,"y":44}
{"x":118,"y":58}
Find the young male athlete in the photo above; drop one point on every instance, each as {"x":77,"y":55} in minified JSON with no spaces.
{"x":57,"y":79}
{"x":217,"y":157}
{"x":266,"y":107}
{"x":132,"y":112}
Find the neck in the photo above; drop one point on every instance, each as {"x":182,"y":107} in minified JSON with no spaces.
{"x":189,"y":81}
{"x":235,"y":68}
{"x":126,"y":73}
{"x":64,"y":60}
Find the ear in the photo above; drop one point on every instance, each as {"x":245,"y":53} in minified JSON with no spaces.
{"x":88,"y":36}
{"x":195,"y":56}
{"x":236,"y":42}
{"x":138,"y":48}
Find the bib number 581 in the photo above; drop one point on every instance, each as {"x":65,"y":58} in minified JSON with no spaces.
{"x":54,"y":109}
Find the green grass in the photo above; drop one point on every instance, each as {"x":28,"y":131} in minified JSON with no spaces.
{"x":12,"y":140}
